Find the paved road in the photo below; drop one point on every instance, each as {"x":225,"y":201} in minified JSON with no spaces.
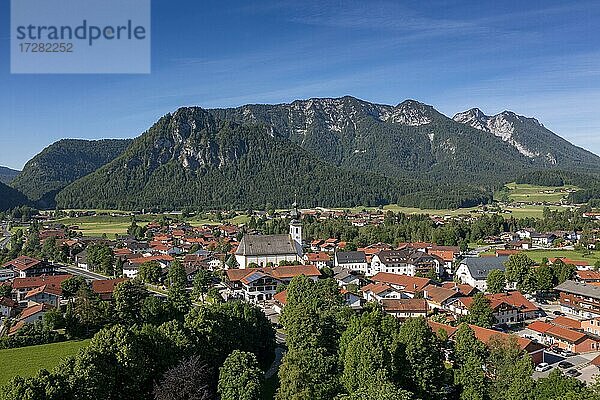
{"x":81,"y":272}
{"x":5,"y":237}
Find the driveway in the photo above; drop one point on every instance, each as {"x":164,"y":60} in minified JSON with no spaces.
{"x":581,"y":363}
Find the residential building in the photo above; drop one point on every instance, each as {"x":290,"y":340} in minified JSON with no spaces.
{"x":474,"y":270}
{"x":409,"y":286}
{"x":564,"y":338}
{"x":8,"y":307}
{"x":25,"y":266}
{"x":407,"y":261}
{"x":351,"y":260}
{"x":578,"y":298}
{"x":405,"y":308}
{"x":104,"y":288}
{"x":524,"y":309}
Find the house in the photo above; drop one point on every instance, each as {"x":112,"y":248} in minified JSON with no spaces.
{"x":81,"y":260}
{"x":351,"y":260}
{"x":486,"y":336}
{"x":591,"y":326}
{"x":578,"y":298}
{"x":380,"y":291}
{"x":405,"y":308}
{"x":542,"y":239}
{"x":6,"y":274}
{"x":345,"y":278}
{"x":104,"y":288}
{"x":22,"y":286}
{"x":260,"y":284}
{"x":564,"y":338}
{"x":319,"y":259}
{"x":8,"y":307}
{"x":34,"y":313}
{"x":459,"y":305}
{"x":474,"y":270}
{"x":523,"y":308}
{"x":409,"y":286}
{"x":438,"y":297}
{"x":462,"y":288}
{"x":26,"y":266}
{"x":587,"y":276}
{"x":581,"y":265}
{"x":407,"y":261}
{"x":46,"y":294}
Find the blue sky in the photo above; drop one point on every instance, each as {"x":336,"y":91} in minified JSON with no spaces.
{"x":537,"y":58}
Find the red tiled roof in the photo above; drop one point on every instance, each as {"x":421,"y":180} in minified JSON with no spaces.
{"x":417,"y":305}
{"x":514,"y":298}
{"x":586,"y":275}
{"x":462,"y":288}
{"x":105,"y":286}
{"x":284,"y":272}
{"x":438,"y":294}
{"x":376,"y":288}
{"x":410,"y":284}
{"x":539,"y":326}
{"x":281,"y":297}
{"x":320,"y":256}
{"x":8,"y":302}
{"x":566,"y":322}
{"x":36,"y":281}
{"x":50,"y":289}
{"x":29,"y":311}
{"x":569,"y":261}
{"x":565,"y":334}
{"x":22,"y":263}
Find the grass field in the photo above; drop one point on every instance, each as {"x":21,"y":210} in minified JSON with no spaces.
{"x":537,"y":255}
{"x":27,"y":361}
{"x":535,"y":193}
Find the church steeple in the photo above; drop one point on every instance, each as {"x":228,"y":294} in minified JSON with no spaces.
{"x":296,"y":228}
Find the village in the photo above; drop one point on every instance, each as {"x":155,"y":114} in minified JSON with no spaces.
{"x":558,"y":326}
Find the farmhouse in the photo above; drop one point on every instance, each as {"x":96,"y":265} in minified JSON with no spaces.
{"x":474,"y":270}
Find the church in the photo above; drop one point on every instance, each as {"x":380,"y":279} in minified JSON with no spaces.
{"x":264,"y":249}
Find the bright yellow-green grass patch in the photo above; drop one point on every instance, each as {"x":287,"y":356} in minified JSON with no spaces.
{"x":534,"y":193}
{"x":537,"y":255}
{"x":27,"y":361}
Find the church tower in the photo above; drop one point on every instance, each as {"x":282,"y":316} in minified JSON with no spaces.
{"x":296,"y":229}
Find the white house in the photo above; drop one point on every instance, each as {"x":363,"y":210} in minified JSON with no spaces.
{"x":405,"y":262}
{"x":351,"y":260}
{"x":474,"y":270}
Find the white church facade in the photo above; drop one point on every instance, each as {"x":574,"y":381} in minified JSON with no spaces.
{"x":263,"y":250}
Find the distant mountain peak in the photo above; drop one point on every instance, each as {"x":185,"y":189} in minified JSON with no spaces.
{"x":409,"y":112}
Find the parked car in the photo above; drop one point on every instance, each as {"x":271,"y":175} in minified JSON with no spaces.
{"x":541,"y":367}
{"x":565,"y":365}
{"x":566,"y":353}
{"x":558,"y":313}
{"x":572,"y":373}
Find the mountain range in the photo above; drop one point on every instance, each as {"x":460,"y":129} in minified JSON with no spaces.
{"x":62,"y":163}
{"x":333,"y":152}
{"x":7,"y":175}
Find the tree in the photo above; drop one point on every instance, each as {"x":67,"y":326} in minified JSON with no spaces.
{"x":367,"y":362}
{"x":480,"y":312}
{"x":510,"y":369}
{"x":544,"y":278}
{"x":308,"y":374}
{"x":240,"y":377}
{"x":72,"y":285}
{"x":191,"y":379}
{"x":421,"y":348}
{"x":496,"y":281}
{"x":518,"y":269}
{"x":129,"y":297}
{"x":176,"y":275}
{"x":101,"y":257}
{"x":470,"y":356}
{"x":149,"y":272}
{"x":201,"y":283}
{"x":563,"y":271}
{"x":5,"y":289}
{"x":556,"y":386}
{"x":179,"y":301}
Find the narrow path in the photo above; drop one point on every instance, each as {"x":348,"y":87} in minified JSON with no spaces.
{"x":279,"y":353}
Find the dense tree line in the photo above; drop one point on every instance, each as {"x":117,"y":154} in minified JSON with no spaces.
{"x":144,"y":350}
{"x":374,"y":356}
